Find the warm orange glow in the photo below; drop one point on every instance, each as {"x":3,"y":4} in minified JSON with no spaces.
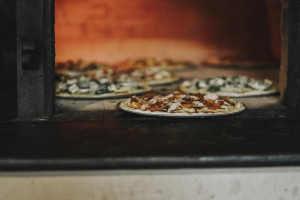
{"x":112,"y":30}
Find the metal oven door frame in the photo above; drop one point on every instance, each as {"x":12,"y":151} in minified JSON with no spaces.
{"x":35,"y":58}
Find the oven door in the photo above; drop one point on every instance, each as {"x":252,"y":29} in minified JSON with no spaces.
{"x":35,"y":58}
{"x":27,"y":56}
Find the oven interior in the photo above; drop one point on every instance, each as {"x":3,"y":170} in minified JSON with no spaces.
{"x":220,"y":38}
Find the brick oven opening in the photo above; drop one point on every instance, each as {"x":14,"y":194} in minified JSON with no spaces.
{"x":238,"y":37}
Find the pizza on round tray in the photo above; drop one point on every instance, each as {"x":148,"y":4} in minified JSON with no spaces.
{"x":85,"y":88}
{"x":181,"y":104}
{"x":150,"y":76}
{"x":163,"y":64}
{"x":233,"y":86}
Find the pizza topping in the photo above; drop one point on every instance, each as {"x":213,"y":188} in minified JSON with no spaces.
{"x":72,"y":81}
{"x":214,"y":88}
{"x":239,"y":105}
{"x":260,"y":85}
{"x":174,"y":106}
{"x":186,"y":83}
{"x":100,"y":74}
{"x":154,"y":99}
{"x":170,"y":96}
{"x":217,"y":82}
{"x":73,"y":89}
{"x":198,"y":104}
{"x":162,"y":75}
{"x":211,"y":96}
{"x":200,"y":84}
{"x":83,"y":84}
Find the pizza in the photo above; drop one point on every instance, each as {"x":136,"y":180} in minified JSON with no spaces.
{"x":162,"y":64}
{"x":69,"y":68}
{"x":75,"y":69}
{"x":234,"y":86}
{"x":150,"y":75}
{"x":181,"y":104}
{"x":85,"y":88}
{"x":233,"y":61}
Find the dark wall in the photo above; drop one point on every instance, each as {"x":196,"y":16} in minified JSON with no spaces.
{"x":8,"y":75}
{"x":248,"y":29}
{"x":293,"y":73}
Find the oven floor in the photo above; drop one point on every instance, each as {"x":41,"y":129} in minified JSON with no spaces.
{"x":88,"y":136}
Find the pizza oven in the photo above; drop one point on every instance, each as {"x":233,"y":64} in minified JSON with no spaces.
{"x":257,"y":38}
{"x":220,"y":38}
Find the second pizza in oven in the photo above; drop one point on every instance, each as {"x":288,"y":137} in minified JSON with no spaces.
{"x":234,"y":86}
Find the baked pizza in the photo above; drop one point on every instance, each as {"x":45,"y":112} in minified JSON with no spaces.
{"x":234,"y":86}
{"x":162,"y":64}
{"x":75,"y":69}
{"x":181,"y":104}
{"x":237,"y":62}
{"x":85,"y":88}
{"x":149,"y":75}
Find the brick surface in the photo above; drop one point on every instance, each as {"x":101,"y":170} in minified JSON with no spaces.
{"x":91,"y":28}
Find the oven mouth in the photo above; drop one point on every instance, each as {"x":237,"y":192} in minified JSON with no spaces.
{"x":219,"y":39}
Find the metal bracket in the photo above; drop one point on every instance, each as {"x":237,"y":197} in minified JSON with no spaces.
{"x":29,"y":54}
